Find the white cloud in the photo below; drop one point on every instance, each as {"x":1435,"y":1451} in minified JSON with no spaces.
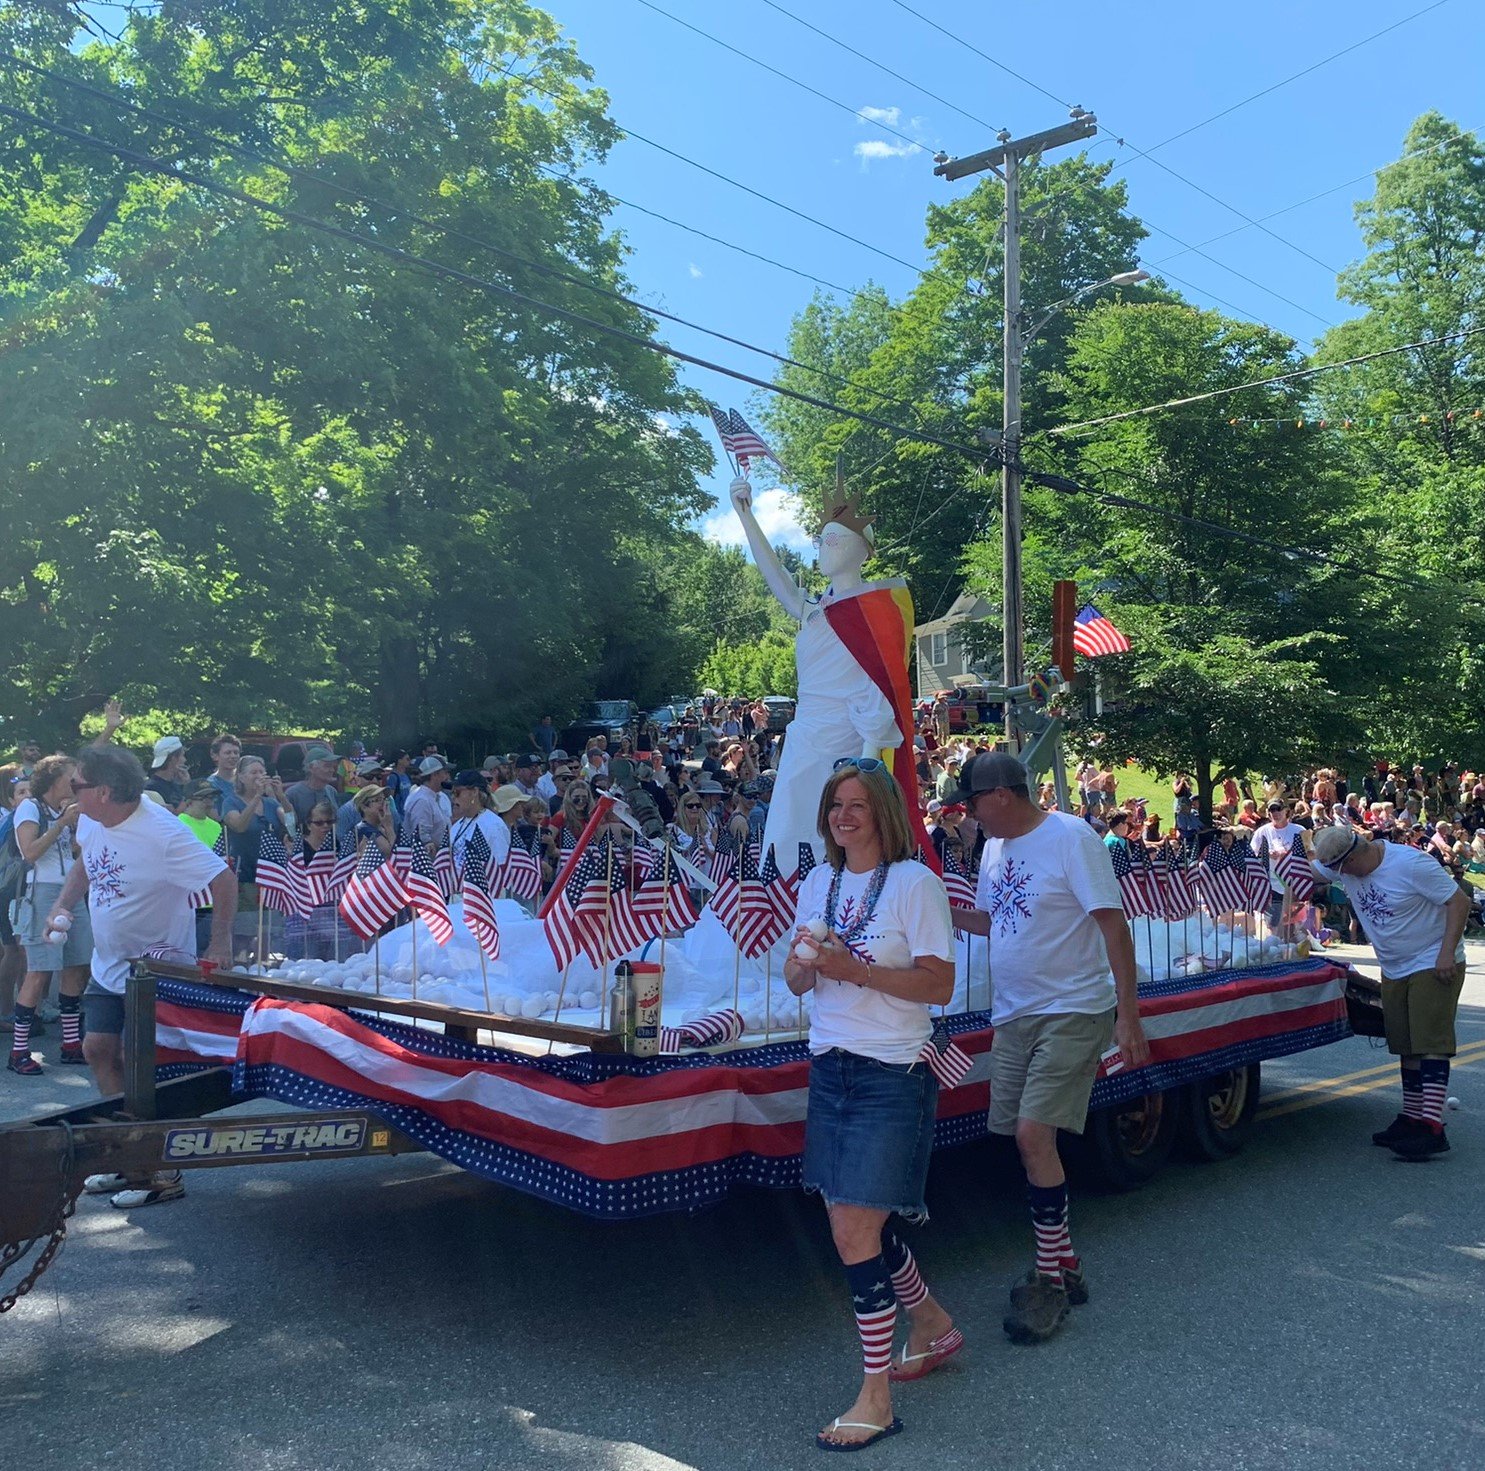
{"x":880,"y":148}
{"x":776,"y":515}
{"x":695,"y":270}
{"x":888,"y":115}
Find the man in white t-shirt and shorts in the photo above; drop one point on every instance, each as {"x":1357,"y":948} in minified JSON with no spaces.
{"x":140,"y":868}
{"x":1277,"y":838}
{"x":1062,"y":978}
{"x":1414,"y":913}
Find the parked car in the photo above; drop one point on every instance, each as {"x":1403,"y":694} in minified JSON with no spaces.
{"x":613,"y":719}
{"x":780,"y":711}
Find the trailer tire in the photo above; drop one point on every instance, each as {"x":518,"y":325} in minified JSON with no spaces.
{"x":1123,"y":1148}
{"x":1217,"y":1113}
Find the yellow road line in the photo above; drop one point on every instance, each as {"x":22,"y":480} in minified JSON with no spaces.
{"x":1309,"y":1095}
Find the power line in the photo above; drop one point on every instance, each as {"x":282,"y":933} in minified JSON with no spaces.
{"x":145,"y":163}
{"x":1062,"y":101}
{"x":1294,"y":77}
{"x":882,"y":67}
{"x":1196,"y":398}
{"x":726,"y":179}
{"x":758,"y":61}
{"x":449,"y":232}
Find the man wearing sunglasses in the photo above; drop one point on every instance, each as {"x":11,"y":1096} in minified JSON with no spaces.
{"x":1414,"y":913}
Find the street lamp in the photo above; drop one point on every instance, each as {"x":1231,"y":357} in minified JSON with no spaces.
{"x":1124,"y":278}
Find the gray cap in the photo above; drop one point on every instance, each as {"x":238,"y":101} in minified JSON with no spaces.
{"x":1335,"y":844}
{"x":990,"y":771}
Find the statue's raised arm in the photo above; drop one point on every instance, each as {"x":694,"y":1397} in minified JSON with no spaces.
{"x":780,"y":584}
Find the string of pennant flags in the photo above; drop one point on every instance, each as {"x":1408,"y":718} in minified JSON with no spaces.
{"x":1472,"y":417}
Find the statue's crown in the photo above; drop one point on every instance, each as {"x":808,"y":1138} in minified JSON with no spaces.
{"x":845,"y":510}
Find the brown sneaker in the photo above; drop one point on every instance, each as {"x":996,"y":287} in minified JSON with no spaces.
{"x":1038,"y":1306}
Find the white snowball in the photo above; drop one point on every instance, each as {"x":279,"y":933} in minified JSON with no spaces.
{"x":588,"y":1000}
{"x":533,"y":1006}
{"x":511,"y":1005}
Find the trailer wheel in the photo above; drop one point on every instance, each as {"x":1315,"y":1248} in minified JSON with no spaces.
{"x":1217,"y":1113}
{"x":1122,"y":1148}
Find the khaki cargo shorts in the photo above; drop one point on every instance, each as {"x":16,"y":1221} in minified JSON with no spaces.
{"x":1418,"y":1012}
{"x":1042,"y":1068}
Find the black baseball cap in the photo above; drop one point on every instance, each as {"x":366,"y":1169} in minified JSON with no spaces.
{"x":989,"y":772}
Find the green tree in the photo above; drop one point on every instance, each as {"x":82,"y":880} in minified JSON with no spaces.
{"x":264,"y":476}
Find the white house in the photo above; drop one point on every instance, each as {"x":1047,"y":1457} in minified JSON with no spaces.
{"x":940,"y":661}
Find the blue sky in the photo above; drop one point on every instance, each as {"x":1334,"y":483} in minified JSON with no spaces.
{"x":1148,"y":77}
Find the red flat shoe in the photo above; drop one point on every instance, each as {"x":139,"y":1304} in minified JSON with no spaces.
{"x":916,"y":1366}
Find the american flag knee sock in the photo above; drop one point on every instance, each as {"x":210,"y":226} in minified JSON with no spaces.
{"x":1433,"y":1078}
{"x":1412,"y":1086}
{"x":906,"y":1281}
{"x":71,"y":1009}
{"x":20,"y":1045}
{"x":875,"y":1306}
{"x":1049,"y":1220}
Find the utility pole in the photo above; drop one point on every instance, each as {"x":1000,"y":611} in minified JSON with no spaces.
{"x":1005,"y":162}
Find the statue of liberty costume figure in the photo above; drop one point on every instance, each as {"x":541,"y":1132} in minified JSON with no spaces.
{"x":852,"y":653}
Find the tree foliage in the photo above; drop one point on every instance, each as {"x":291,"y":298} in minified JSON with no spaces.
{"x":261,"y":475}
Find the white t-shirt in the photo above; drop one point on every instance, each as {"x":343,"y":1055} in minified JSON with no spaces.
{"x":497,"y":835}
{"x":1046,"y":953}
{"x":141,"y":876}
{"x":1279,"y":841}
{"x":911,"y":919}
{"x":1400,"y":905}
{"x":56,"y":863}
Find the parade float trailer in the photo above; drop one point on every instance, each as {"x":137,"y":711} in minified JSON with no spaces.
{"x":562,"y":1111}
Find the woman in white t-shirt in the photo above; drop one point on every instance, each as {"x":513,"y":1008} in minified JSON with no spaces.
{"x":45,"y":834}
{"x":875,"y":944}
{"x":474,"y":812}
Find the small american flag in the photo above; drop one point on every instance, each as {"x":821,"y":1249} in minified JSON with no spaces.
{"x":1137,"y":886}
{"x":279,"y":886}
{"x":342,"y":873}
{"x":1177,"y":889}
{"x":1255,"y":875}
{"x":724,"y":428}
{"x":201,"y":899}
{"x":520,"y":875}
{"x":956,"y":881}
{"x":445,"y":872}
{"x":946,"y":1059}
{"x":668,"y":911}
{"x":747,"y":443}
{"x":375,"y":894}
{"x":726,"y":898}
{"x":479,"y":908}
{"x":1294,"y":869}
{"x":1094,"y":636}
{"x":426,"y":896}
{"x":759,"y":923}
{"x":1219,"y":877}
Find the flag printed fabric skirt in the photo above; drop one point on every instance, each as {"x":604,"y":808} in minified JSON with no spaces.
{"x":616,"y":1136}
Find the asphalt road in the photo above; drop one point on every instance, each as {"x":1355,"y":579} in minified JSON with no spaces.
{"x":1313,"y":1303}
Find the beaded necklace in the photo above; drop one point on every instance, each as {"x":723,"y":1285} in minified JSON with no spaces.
{"x":866,"y":913}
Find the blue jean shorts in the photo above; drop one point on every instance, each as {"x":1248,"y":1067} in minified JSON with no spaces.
{"x":869,"y":1132}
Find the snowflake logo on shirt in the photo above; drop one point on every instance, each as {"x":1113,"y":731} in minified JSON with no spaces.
{"x":850,"y":911}
{"x":1011,"y":898}
{"x":105,"y":877}
{"x":1372,"y":903}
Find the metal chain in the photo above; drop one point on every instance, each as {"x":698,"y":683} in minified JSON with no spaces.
{"x":13,"y":1251}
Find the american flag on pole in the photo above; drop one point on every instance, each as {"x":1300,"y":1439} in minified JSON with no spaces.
{"x":375,"y":894}
{"x":520,"y":875}
{"x":579,"y":913}
{"x":1094,"y":636}
{"x":1177,"y":889}
{"x":426,"y":896}
{"x":1220,"y":877}
{"x":479,"y":908}
{"x":1137,"y":886}
{"x":665,"y":911}
{"x":342,"y":873}
{"x":747,"y":443}
{"x":445,"y":872}
{"x":201,"y":899}
{"x":1294,"y":869}
{"x":956,"y":881}
{"x":726,"y":899}
{"x":1255,"y":875}
{"x":723,"y":424}
{"x":759,"y":923}
{"x":724,"y":857}
{"x":279,"y":886}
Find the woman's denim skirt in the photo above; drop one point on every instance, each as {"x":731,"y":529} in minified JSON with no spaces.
{"x":869,"y":1132}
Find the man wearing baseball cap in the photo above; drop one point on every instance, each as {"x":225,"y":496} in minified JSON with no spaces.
{"x":424,"y":818}
{"x":168,"y":778}
{"x":1414,"y":914}
{"x":1062,"y":963}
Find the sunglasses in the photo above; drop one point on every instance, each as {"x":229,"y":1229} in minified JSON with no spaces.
{"x":691,"y":806}
{"x":861,"y":763}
